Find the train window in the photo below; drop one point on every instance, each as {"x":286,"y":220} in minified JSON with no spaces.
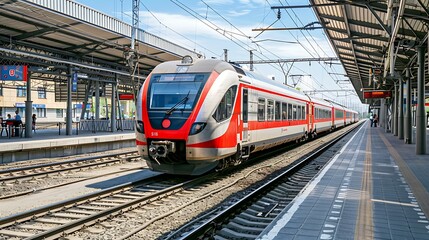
{"x":261,"y":109}
{"x":277,"y":111}
{"x":270,"y":110}
{"x":294,"y":113}
{"x":339,"y":114}
{"x":284,"y":111}
{"x":289,"y":111}
{"x":298,"y":113}
{"x":303,"y":112}
{"x":317,"y":113}
{"x":225,"y":107}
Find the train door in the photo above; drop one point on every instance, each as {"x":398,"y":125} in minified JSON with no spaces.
{"x":245,"y":114}
{"x":310,"y":116}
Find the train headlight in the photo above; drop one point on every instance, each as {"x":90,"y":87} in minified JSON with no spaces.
{"x":140,"y":126}
{"x":196,"y":128}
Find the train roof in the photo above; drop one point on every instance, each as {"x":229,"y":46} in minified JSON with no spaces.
{"x":209,"y":65}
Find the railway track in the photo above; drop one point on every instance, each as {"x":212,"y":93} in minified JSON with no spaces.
{"x":55,"y":220}
{"x":247,"y":217}
{"x":115,"y":216}
{"x":14,"y":175}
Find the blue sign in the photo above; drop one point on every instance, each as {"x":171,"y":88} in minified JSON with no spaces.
{"x":74,"y":82}
{"x":79,"y":106}
{"x":39,"y":105}
{"x":13,"y":73}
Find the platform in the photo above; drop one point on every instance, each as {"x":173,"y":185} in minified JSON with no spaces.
{"x":376,"y":187}
{"x":47,"y":143}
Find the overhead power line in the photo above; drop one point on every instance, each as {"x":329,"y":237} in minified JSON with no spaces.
{"x":289,"y":60}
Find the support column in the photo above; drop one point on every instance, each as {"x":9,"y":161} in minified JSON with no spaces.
{"x":420,"y":114}
{"x":407,"y":119}
{"x":97,"y":100}
{"x":113,"y":105}
{"x":28,"y":110}
{"x":69,"y":116}
{"x":395,"y":111}
{"x":382,"y":114}
{"x":401,"y":109}
{"x":388,"y":117}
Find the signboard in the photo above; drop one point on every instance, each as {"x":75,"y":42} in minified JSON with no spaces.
{"x":14,"y":72}
{"x":79,"y":106}
{"x":377,"y":94}
{"x":39,"y":105}
{"x":126,"y":96}
{"x":74,"y":82}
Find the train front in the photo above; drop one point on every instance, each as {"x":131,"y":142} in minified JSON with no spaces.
{"x":167,"y":109}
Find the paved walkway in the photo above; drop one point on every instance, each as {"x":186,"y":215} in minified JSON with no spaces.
{"x":375,"y":188}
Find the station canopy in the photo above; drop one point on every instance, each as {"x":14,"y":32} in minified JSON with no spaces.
{"x":56,"y":37}
{"x":365,"y":34}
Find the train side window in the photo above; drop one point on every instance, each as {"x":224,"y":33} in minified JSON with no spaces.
{"x":224,"y":109}
{"x":261,"y":109}
{"x":284,"y":111}
{"x":298,"y":113}
{"x":294,"y":113}
{"x":289,"y":111}
{"x":303,"y":112}
{"x":270,"y":110}
{"x":277,"y":111}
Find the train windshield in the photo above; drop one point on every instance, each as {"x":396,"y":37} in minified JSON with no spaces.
{"x":175,"y":91}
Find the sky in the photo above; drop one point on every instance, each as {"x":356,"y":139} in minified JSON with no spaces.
{"x":210,"y":26}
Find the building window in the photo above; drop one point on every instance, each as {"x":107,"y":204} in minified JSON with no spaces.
{"x":21,"y":91}
{"x":41,"y":92}
{"x":41,"y":112}
{"x":60,"y":113}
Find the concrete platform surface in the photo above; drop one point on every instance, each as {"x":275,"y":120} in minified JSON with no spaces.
{"x":376,"y":187}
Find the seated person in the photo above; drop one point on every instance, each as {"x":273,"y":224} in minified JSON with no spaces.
{"x":18,"y":121}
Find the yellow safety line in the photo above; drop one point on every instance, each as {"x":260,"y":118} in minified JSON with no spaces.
{"x":364,"y":225}
{"x":416,"y":186}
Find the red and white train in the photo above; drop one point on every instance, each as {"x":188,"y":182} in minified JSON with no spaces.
{"x":195,"y":116}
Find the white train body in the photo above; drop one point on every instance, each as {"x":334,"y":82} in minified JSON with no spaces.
{"x":192,"y":117}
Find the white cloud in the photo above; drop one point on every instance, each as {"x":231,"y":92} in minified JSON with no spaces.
{"x":238,"y":13}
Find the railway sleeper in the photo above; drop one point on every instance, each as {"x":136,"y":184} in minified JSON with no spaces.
{"x":250,"y":218}
{"x":245,"y":229}
{"x":33,"y":227}
{"x":80,"y":211}
{"x":68,"y":215}
{"x":11,"y":233}
{"x":55,"y":220}
{"x":231,"y":234}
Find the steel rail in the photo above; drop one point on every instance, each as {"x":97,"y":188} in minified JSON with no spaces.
{"x":89,"y":220}
{"x":31,"y":175}
{"x":5,"y":171}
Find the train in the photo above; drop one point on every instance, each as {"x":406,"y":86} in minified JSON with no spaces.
{"x":196,"y":116}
